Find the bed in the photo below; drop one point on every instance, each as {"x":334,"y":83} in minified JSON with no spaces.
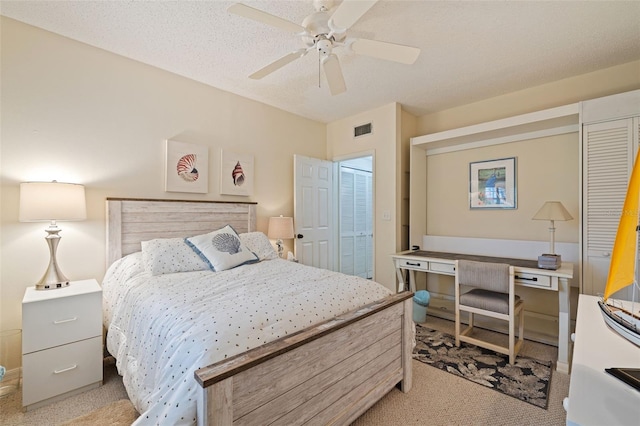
{"x":327,"y":367}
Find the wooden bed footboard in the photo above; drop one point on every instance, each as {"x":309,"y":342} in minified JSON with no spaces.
{"x":330,"y":373}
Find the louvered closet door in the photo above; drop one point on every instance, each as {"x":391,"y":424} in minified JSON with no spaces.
{"x":609,"y":149}
{"x":347,"y":222}
{"x":356,"y":227}
{"x":369,"y":225}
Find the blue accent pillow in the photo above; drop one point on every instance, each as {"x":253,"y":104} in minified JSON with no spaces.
{"x":222,"y":249}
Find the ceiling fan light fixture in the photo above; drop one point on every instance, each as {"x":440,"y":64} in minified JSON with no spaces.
{"x":324,"y":47}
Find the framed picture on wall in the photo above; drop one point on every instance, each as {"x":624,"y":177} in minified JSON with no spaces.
{"x":236,"y":174}
{"x":186,"y":167}
{"x":492,"y":184}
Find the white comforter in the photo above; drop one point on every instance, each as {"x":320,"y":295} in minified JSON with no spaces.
{"x":163,"y":328}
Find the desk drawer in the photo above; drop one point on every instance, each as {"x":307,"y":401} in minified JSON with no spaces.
{"x":442,"y":268}
{"x":418,"y":265}
{"x":532,"y":280}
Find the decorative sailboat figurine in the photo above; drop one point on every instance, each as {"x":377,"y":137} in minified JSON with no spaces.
{"x":624,"y":263}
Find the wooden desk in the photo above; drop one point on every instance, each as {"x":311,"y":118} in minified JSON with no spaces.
{"x":596,"y":397}
{"x":527,"y":275}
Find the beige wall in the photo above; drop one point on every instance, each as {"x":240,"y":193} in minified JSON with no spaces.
{"x":382,"y":142}
{"x":547,"y":168}
{"x":75,"y":113}
{"x":408,"y":130}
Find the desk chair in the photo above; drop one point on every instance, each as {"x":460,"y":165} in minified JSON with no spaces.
{"x":493,"y":295}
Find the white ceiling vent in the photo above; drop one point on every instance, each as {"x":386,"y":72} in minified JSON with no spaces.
{"x":362,"y":130}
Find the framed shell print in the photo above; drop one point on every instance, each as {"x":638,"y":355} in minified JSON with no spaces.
{"x":236,"y":174}
{"x":186,"y":167}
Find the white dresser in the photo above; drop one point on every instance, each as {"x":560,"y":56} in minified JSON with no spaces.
{"x":61,"y":342}
{"x":596,"y":398}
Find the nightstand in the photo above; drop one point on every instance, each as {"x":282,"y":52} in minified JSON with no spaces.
{"x":61,"y":342}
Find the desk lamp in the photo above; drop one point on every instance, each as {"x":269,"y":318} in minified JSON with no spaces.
{"x":52,"y":201}
{"x":552,"y":211}
{"x":280,"y":228}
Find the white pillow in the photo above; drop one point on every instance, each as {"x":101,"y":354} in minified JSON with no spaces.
{"x":170,"y":255}
{"x":259,"y":243}
{"x":222,"y":249}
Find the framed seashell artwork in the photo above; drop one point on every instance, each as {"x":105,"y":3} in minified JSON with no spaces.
{"x":236,"y":174}
{"x":186,"y":167}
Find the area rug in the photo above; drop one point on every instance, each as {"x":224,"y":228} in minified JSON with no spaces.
{"x":118,"y":413}
{"x":528,"y":379}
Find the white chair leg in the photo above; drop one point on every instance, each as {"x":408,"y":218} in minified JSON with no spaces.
{"x":512,"y":341}
{"x":457,"y":328}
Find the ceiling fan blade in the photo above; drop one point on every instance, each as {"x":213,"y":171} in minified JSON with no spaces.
{"x":264,"y":17}
{"x":348,"y":13}
{"x":383,"y":50}
{"x":276,"y":65}
{"x":333,"y":73}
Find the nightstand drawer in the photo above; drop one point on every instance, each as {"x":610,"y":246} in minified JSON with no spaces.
{"x":55,"y":371}
{"x":58,"y":321}
{"x":421,"y":265}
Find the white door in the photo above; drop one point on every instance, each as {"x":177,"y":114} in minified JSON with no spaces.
{"x":313,"y":211}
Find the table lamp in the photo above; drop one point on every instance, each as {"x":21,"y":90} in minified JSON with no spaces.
{"x":52,"y":202}
{"x":280,"y":228}
{"x":552,"y":211}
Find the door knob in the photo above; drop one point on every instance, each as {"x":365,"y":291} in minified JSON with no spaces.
{"x":299,"y":236}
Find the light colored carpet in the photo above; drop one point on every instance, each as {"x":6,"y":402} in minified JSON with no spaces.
{"x":437,"y":398}
{"x":119,"y":413}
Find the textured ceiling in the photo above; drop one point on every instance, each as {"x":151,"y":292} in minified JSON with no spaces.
{"x":470,"y":50}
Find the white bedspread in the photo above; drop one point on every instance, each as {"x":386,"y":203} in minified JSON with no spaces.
{"x":163,"y":328}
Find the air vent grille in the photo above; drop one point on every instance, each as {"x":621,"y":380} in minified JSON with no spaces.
{"x":362,"y":130}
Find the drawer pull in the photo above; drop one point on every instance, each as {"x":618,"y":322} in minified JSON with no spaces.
{"x":517,"y":277}
{"x":413,"y":264}
{"x":74,"y":366}
{"x":65,"y":320}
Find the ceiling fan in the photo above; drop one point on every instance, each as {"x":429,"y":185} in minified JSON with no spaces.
{"x":324,"y":31}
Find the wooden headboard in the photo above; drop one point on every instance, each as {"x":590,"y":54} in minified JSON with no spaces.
{"x":130,"y":221}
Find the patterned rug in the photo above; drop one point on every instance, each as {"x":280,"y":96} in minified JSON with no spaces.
{"x":527,"y":380}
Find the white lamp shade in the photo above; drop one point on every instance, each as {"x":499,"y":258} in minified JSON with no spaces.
{"x":280,"y":228}
{"x":552,"y":210}
{"x":47,"y":201}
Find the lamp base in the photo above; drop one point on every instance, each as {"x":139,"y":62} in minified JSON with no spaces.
{"x":549,"y":261}
{"x":53,"y":277}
